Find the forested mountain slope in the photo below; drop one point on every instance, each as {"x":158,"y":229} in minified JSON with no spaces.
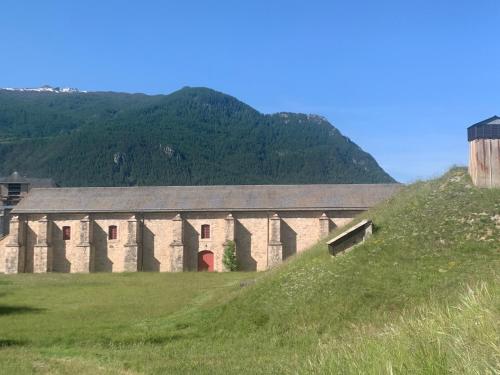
{"x":193,"y":136}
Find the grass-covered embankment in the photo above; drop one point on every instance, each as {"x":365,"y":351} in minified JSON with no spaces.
{"x":421,"y":296}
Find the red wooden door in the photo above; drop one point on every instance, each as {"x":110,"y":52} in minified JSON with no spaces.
{"x":206,"y":261}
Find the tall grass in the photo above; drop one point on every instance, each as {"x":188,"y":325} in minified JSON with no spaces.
{"x":435,"y":338}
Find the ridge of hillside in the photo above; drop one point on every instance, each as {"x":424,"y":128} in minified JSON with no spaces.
{"x":193,"y":136}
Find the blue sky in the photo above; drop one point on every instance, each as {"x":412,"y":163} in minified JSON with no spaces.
{"x":403,"y":79}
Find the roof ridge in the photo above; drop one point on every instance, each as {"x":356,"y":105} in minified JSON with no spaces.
{"x":216,"y":186}
{"x":485,"y":122}
{"x":205,"y":198}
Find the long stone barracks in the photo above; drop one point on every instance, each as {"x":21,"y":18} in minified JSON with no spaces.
{"x":175,"y":228}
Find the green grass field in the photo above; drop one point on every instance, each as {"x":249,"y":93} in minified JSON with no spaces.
{"x":420,"y":297}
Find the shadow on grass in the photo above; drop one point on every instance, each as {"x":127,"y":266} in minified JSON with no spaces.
{"x":11,"y":310}
{"x":6,"y":343}
{"x":153,"y":340}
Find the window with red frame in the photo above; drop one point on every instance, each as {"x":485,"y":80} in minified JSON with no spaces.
{"x":66,"y":231}
{"x":112,"y":232}
{"x":205,"y":231}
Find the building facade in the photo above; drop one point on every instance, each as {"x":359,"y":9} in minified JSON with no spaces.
{"x":172,"y":229}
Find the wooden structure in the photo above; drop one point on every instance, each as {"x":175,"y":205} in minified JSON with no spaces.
{"x":484,"y":152}
{"x":351,"y":237}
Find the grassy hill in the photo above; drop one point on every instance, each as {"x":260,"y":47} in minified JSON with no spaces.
{"x":194,"y":136}
{"x":420,"y":297}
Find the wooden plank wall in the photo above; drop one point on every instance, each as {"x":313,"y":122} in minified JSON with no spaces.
{"x":484,"y":162}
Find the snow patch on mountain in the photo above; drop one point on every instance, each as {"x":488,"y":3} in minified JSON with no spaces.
{"x":47,"y":88}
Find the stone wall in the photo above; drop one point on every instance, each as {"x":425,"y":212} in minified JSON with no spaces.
{"x":68,"y":256}
{"x":251,"y":238}
{"x":194,"y":243}
{"x":109,"y":254}
{"x":4,"y":190}
{"x":157,"y":235}
{"x":3,"y":243}
{"x":164,"y":242}
{"x":299,"y":231}
{"x":3,"y":223}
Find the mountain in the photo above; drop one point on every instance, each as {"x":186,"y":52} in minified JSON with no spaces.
{"x":193,"y":136}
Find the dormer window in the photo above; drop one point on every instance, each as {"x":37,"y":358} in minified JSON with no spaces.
{"x":66,"y":232}
{"x":14,"y":190}
{"x":112,"y":232}
{"x":205,"y":231}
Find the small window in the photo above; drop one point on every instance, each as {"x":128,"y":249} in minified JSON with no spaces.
{"x":205,"y":231}
{"x":112,"y":232}
{"x":66,"y":233}
{"x":14,"y":190}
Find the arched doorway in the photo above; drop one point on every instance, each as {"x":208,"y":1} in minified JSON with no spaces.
{"x":206,"y":261}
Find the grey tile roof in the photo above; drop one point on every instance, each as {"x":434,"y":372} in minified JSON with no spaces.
{"x":205,"y":198}
{"x":41,"y":182}
{"x":495,"y":120}
{"x":486,"y":129}
{"x":16,"y":178}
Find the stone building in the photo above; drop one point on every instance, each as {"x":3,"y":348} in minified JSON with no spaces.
{"x":484,"y":152}
{"x":14,"y":188}
{"x":171,"y":229}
